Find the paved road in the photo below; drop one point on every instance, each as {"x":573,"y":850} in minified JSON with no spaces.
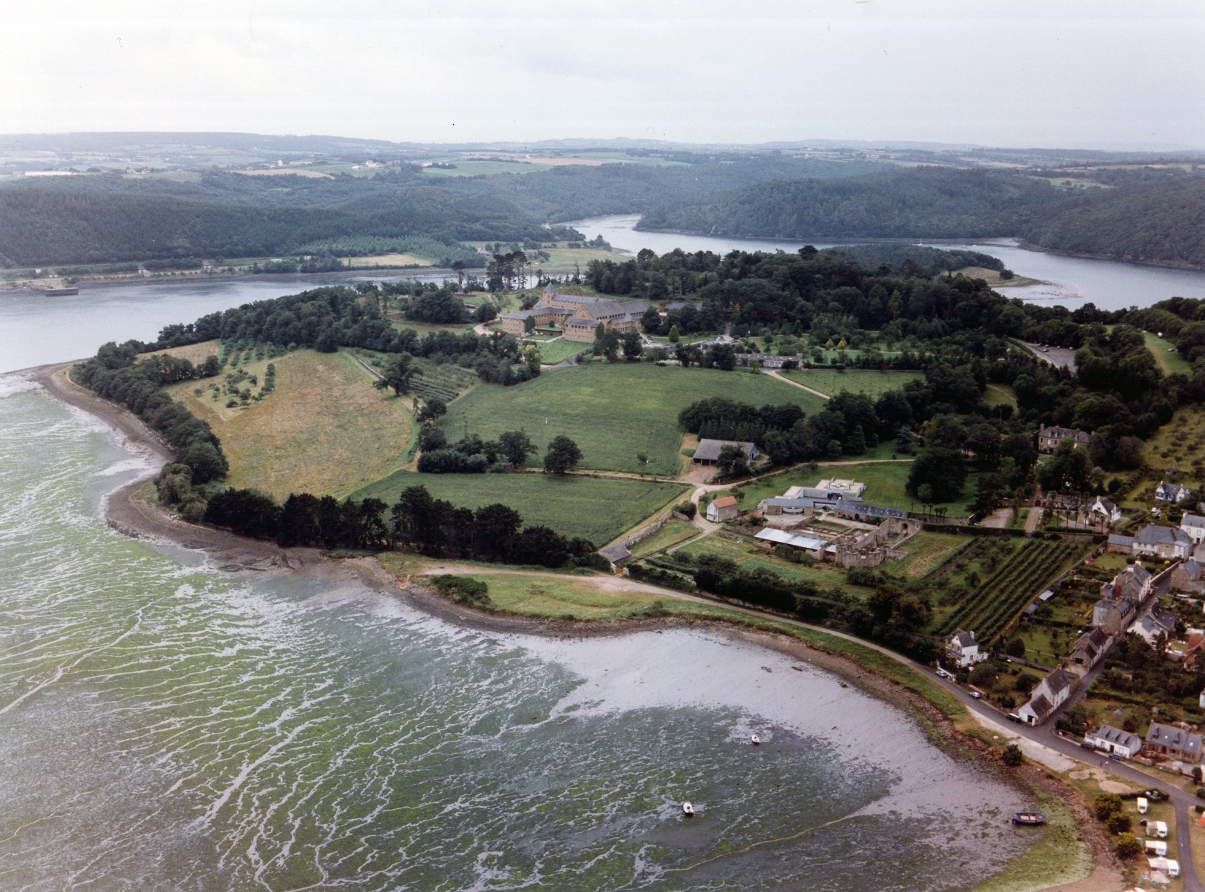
{"x":1059,"y":357}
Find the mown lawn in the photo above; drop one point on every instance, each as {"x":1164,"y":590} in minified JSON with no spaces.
{"x":873,"y":384}
{"x":612,"y":411}
{"x":752,"y":557}
{"x":597,"y":509}
{"x":1166,"y":356}
{"x":324,"y":429}
{"x":671,"y":534}
{"x":552,"y":352}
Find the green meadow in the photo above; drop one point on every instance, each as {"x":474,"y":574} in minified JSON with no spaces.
{"x":612,"y":411}
{"x":598,"y":509}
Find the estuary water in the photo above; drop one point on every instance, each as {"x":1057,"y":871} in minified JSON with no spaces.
{"x":165,"y":724}
{"x":1069,"y":281}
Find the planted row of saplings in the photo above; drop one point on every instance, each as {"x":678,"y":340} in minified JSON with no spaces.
{"x":1029,"y":566}
{"x":1019,"y":578}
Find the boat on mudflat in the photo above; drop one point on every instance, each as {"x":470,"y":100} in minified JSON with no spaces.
{"x":1028,"y":818}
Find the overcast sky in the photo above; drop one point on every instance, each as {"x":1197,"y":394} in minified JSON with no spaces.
{"x":994,"y":72}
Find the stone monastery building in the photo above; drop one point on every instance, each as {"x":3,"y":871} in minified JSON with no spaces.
{"x":577,"y":316}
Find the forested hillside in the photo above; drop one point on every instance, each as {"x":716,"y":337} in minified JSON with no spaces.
{"x":1151,"y":216}
{"x":1160,"y":222}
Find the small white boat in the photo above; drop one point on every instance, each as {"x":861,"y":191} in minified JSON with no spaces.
{"x":688,"y":809}
{"x":755,"y":740}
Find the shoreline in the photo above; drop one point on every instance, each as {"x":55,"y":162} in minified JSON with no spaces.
{"x":1009,"y":241}
{"x":135,"y":517}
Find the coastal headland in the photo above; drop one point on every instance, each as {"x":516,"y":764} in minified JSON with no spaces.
{"x":877,"y":671}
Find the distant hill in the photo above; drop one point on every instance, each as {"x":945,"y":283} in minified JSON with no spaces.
{"x":1158,"y":220}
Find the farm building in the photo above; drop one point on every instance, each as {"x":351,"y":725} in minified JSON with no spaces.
{"x":865,"y":511}
{"x":1171,"y":493}
{"x":708,"y":451}
{"x":1050,"y":437}
{"x":812,"y":546}
{"x":963,"y":650}
{"x":1112,"y":740}
{"x":769,"y":360}
{"x":723,"y":509}
{"x":1176,"y":744}
{"x":1163,"y":542}
{"x":1194,"y":527}
{"x":616,"y":554}
{"x":1051,"y":692}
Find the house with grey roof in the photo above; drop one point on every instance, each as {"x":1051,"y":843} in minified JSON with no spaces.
{"x":1189,"y":577}
{"x":1155,"y":622}
{"x":1114,"y":741}
{"x":1119,"y":544}
{"x":1194,"y":526}
{"x":1173,"y":744}
{"x":1131,"y":584}
{"x":1169,"y":543}
{"x":616,"y":554}
{"x":1170,"y":493}
{"x":1050,"y":437}
{"x":1090,"y":648}
{"x":1112,"y":615}
{"x":962,"y":649}
{"x":1101,"y":510}
{"x":1050,"y":693}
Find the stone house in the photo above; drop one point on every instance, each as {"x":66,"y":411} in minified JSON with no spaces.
{"x":1131,"y":584}
{"x":1112,"y":615}
{"x":1163,"y":542}
{"x":708,"y":451}
{"x":1051,"y":693}
{"x":578,"y":317}
{"x":1173,"y":744}
{"x":1090,"y":648}
{"x":1155,"y":622}
{"x":962,"y":649}
{"x":1189,"y":577}
{"x":1050,"y":437}
{"x":1115,"y":741}
{"x":723,"y":509}
{"x":1119,"y":544}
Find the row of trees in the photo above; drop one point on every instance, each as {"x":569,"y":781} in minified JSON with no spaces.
{"x":472,"y":455}
{"x":417,"y":520}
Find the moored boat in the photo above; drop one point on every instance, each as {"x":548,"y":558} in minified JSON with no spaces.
{"x":1028,"y":818}
{"x":688,"y":809}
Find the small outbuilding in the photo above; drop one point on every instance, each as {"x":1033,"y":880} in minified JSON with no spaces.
{"x":708,"y":451}
{"x":723,"y":509}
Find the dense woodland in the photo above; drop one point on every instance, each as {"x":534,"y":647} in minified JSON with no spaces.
{"x":1158,"y":217}
{"x":107,"y":218}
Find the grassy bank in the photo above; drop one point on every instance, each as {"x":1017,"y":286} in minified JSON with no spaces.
{"x":873,"y":384}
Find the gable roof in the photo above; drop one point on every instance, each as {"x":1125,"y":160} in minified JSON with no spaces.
{"x":1173,"y":738}
{"x":616,"y":554}
{"x":726,"y":502}
{"x":1192,"y":569}
{"x":1121,"y":541}
{"x":1058,"y":681}
{"x":1192,"y":520}
{"x":1118,"y":737}
{"x":963,"y":639}
{"x":1152,"y":534}
{"x":1173,"y":491}
{"x":1040,"y":706}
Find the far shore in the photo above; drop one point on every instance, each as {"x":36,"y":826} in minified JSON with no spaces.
{"x":126,"y":511}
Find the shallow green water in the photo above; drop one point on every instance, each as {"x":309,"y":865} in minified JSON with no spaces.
{"x":166,"y":725}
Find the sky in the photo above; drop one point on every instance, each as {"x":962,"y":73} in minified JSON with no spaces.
{"x":1106,"y":74}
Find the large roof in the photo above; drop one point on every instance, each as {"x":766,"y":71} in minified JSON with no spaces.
{"x":783,"y":538}
{"x":1153,"y":534}
{"x":709,"y":450}
{"x":1175,"y":738}
{"x":1193,"y":520}
{"x":1118,"y":737}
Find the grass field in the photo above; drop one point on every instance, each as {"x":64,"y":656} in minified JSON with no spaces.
{"x":325,"y":428}
{"x":552,"y":352}
{"x":579,"y":599}
{"x":1179,"y":443}
{"x":593,"y":508}
{"x":1166,"y":357}
{"x":389,"y":260}
{"x":750,"y":557}
{"x":998,"y":394}
{"x":926,"y":551}
{"x":614,"y":411}
{"x":873,"y":384}
{"x":564,"y":259}
{"x":671,"y":534}
{"x":884,"y":484}
{"x":483,"y":168}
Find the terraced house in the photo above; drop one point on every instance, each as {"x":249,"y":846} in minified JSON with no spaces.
{"x":578,"y":317}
